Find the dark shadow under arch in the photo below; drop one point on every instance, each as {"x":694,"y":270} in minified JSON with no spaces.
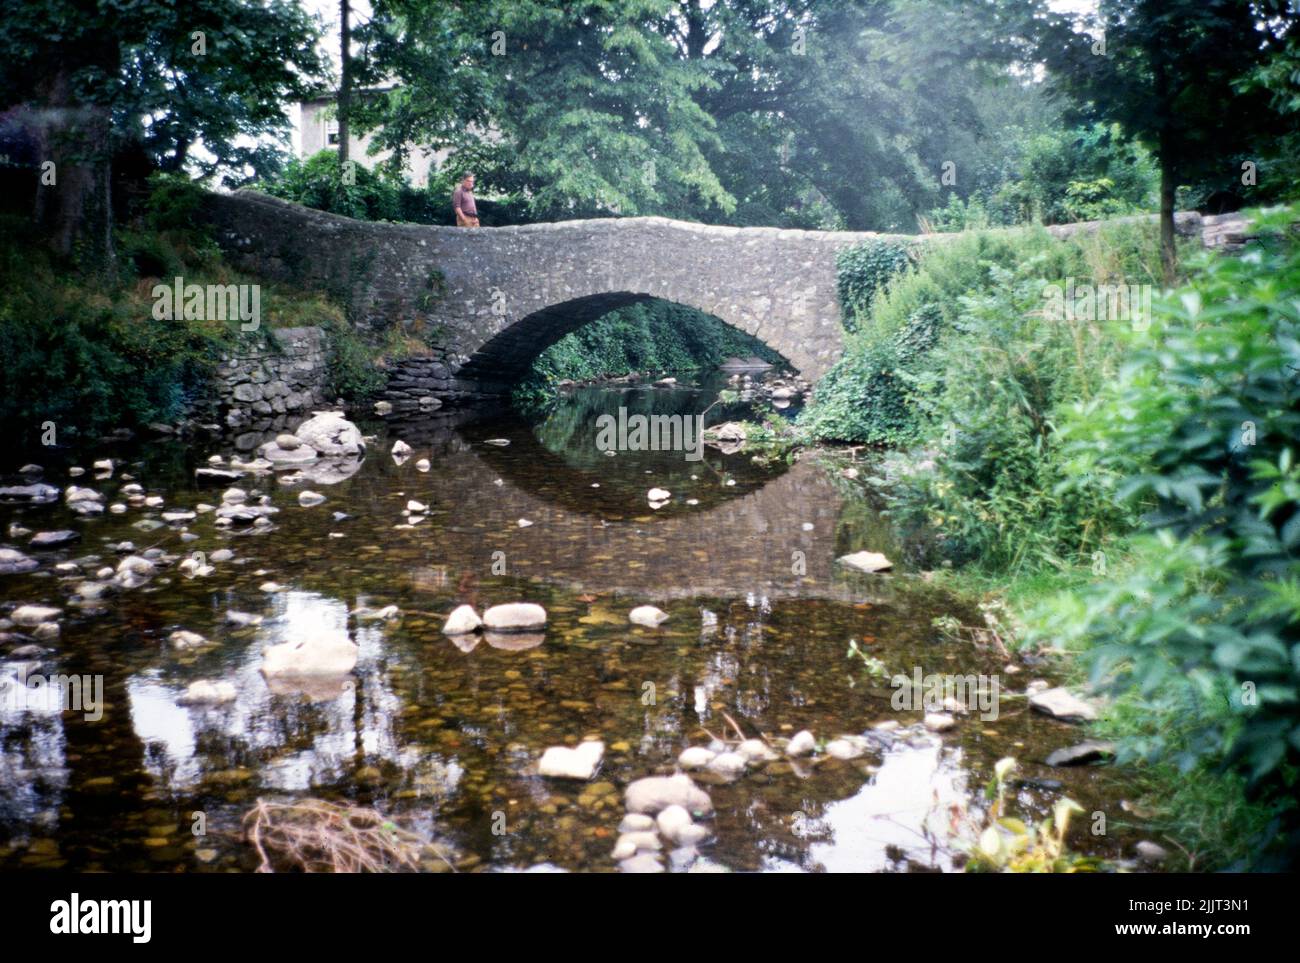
{"x":505,"y":359}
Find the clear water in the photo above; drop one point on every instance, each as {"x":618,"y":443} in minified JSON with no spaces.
{"x":446,"y":735}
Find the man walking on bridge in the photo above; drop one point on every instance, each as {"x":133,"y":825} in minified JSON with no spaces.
{"x":462,"y":199}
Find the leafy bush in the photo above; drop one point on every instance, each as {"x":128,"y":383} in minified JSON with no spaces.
{"x":1199,"y":429}
{"x":989,"y":396}
{"x":867,"y":396}
{"x":861,"y":271}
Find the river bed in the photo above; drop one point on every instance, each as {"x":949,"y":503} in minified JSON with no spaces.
{"x":446,"y":734}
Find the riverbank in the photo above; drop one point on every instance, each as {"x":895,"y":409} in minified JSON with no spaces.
{"x":1036,"y":460}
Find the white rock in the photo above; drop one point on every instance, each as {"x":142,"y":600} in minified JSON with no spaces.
{"x":843,"y":749}
{"x":645,"y":842}
{"x":515,"y":617}
{"x":939,"y":721}
{"x":329,"y":433}
{"x":755,"y":750}
{"x":204,"y":692}
{"x":73,"y":494}
{"x":422,"y":465}
{"x":183,"y":639}
{"x":866,"y":562}
{"x":308,"y":498}
{"x":1062,"y":704}
{"x":561,"y":762}
{"x":653,"y":794}
{"x":416,"y":508}
{"x":400,"y":449}
{"x":728,"y":764}
{"x":323,"y":654}
{"x":801,"y":743}
{"x":636,"y":823}
{"x":462,"y":619}
{"x":647,"y":615}
{"x":523,"y":523}
{"x":624,"y":849}
{"x":641,"y":862}
{"x":672,"y":821}
{"x":658,"y":495}
{"x":1150,"y":852}
{"x":696,"y":757}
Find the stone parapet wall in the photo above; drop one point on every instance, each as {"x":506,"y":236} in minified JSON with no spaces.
{"x":271,"y":380}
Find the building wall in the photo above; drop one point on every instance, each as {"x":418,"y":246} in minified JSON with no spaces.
{"x":315,"y":119}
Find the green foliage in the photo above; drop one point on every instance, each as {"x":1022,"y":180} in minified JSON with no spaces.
{"x":139,"y":60}
{"x":649,"y":336}
{"x":789,"y":112}
{"x":867,"y":396}
{"x":1199,"y":429}
{"x":1060,"y":175}
{"x":989,"y":397}
{"x":89,"y":359}
{"x":318,"y":182}
{"x":90,"y":356}
{"x":861,"y":271}
{"x":1007,"y":844}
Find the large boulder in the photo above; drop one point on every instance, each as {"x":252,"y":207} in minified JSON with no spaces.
{"x":329,"y":433}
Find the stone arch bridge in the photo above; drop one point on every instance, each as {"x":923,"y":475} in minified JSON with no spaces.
{"x":488,"y":301}
{"x":494,"y":298}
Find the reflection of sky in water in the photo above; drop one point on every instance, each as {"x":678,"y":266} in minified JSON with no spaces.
{"x":900,"y":814}
{"x":253,"y":723}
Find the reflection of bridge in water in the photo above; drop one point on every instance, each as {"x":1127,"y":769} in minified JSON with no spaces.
{"x":774,"y":538}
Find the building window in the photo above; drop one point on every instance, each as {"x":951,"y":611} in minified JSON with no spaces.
{"x":332,"y":133}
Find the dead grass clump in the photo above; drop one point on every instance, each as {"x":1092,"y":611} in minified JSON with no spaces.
{"x":316,"y":836}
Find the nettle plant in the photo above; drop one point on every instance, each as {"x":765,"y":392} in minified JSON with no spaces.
{"x":1200,"y":429}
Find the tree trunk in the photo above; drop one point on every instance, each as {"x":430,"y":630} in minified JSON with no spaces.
{"x":73,"y":206}
{"x":345,"y":79}
{"x":1168,"y":186}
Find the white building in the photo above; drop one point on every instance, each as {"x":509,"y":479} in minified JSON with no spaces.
{"x":317,"y":129}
